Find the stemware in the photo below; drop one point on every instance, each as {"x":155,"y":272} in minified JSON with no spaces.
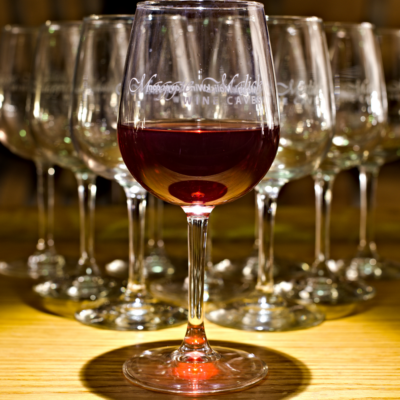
{"x":96,"y":89}
{"x":198,"y":129}
{"x":360,"y":118}
{"x":305,"y":91}
{"x":157,"y":262}
{"x":368,"y":263}
{"x":17,"y":54}
{"x":53,"y":73}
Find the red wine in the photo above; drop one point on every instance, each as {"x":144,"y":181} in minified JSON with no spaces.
{"x":205,"y":163}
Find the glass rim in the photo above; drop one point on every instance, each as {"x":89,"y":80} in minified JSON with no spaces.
{"x":199,"y":4}
{"x":108,"y":17}
{"x":294,"y":18}
{"x":15,"y":28}
{"x":349,"y":24}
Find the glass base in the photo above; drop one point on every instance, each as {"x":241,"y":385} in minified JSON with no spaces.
{"x":78,"y":288}
{"x":40,"y":265}
{"x":142,"y":313}
{"x":373,"y":268}
{"x":156,"y":265}
{"x":264,"y":312}
{"x":117,"y":269}
{"x":248,"y":269}
{"x":336,"y":297}
{"x":176,"y":290}
{"x":162,"y":371}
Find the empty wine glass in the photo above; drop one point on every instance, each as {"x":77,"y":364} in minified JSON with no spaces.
{"x":16,"y":62}
{"x":360,"y":118}
{"x":305,"y":91}
{"x":367,"y":263}
{"x":157,"y":262}
{"x":53,"y":73}
{"x":198,"y":129}
{"x":96,"y":90}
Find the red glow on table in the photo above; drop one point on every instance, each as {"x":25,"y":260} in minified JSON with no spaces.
{"x":196,"y":371}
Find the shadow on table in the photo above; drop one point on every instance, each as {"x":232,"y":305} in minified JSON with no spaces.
{"x":286,"y":376}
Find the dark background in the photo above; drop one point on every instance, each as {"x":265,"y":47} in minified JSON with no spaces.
{"x":17,"y":176}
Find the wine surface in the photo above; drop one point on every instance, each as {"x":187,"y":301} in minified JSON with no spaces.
{"x":205,"y":163}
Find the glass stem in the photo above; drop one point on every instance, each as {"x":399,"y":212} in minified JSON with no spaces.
{"x":155,"y":224}
{"x":323,"y":184}
{"x":267,"y":196}
{"x":159,"y":223}
{"x":45,"y":200}
{"x":195,"y":347}
{"x":256,"y":224}
{"x":151,"y":209}
{"x":87,"y":197}
{"x":136,"y":204}
{"x":368,"y":185}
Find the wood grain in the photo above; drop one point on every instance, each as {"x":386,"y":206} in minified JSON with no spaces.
{"x":45,"y":356}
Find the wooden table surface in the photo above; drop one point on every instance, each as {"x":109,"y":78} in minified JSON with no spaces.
{"x":45,"y":356}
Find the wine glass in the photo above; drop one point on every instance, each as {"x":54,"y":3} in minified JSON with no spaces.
{"x":157,"y":262}
{"x":96,"y":89}
{"x":53,"y":73}
{"x":368,"y":263}
{"x":17,"y":53}
{"x":198,"y":129}
{"x":360,"y":118}
{"x":305,"y":92}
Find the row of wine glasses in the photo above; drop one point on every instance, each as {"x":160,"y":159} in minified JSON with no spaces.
{"x":17,"y":52}
{"x":19,"y":131}
{"x":198,"y":126}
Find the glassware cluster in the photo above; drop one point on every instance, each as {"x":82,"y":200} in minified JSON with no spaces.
{"x":197,"y":103}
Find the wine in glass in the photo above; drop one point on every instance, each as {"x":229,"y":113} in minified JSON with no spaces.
{"x":17,"y":55}
{"x":305,"y":92}
{"x":95,"y":99}
{"x":198,"y":129}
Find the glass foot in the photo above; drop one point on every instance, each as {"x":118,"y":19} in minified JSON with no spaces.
{"x":326,"y":291}
{"x":79,"y":288}
{"x":373,"y":268}
{"x":264,"y":312}
{"x":142,"y":313}
{"x":38,"y":265}
{"x":157,"y":264}
{"x":176,"y":290}
{"x":162,"y":370}
{"x":117,"y":269}
{"x":248,"y":268}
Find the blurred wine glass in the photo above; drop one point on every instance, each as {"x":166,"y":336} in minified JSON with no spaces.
{"x":53,"y":74}
{"x":95,"y":99}
{"x":360,"y":118}
{"x":368,"y":263}
{"x":17,"y":54}
{"x":304,"y":84}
